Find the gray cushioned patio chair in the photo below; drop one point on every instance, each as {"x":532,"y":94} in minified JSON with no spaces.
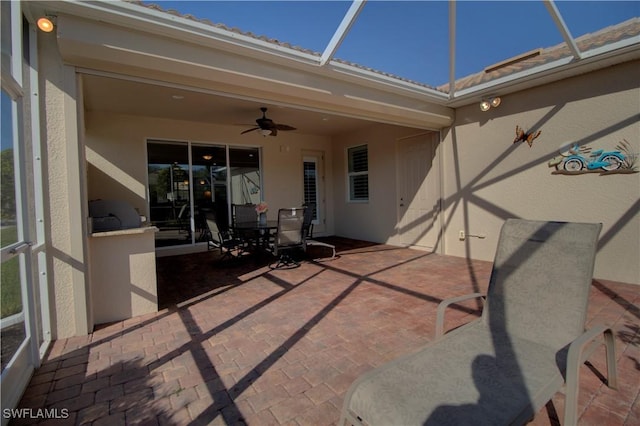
{"x":307,"y":231}
{"x":244,"y":213}
{"x":288,"y":237}
{"x":505,"y":366}
{"x":219,"y":236}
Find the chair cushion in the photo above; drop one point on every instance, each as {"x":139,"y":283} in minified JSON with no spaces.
{"x":541,"y":278}
{"x":471,"y":376}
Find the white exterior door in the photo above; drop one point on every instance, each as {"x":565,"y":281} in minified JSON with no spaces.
{"x":313,"y":180}
{"x":418,"y":180}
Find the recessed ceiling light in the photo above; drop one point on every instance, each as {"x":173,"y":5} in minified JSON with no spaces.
{"x":177,"y":96}
{"x":325,"y":118}
{"x":45,"y":24}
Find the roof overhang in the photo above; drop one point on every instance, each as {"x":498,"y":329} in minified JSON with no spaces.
{"x":617,"y":53}
{"x":129,"y":39}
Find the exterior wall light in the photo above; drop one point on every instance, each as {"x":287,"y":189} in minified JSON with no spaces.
{"x":45,"y":24}
{"x":487,"y":104}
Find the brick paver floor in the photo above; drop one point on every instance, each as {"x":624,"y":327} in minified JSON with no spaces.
{"x":238,"y":343}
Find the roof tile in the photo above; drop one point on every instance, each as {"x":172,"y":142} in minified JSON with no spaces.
{"x":611,"y":34}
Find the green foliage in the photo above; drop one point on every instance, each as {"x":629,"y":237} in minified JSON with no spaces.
{"x":10,"y":293}
{"x":7,"y":186}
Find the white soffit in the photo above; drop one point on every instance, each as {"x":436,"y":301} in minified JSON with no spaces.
{"x":157,"y":23}
{"x":97,"y":45}
{"x":147,"y":20}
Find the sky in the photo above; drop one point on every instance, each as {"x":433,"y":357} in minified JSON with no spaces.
{"x":410,"y":38}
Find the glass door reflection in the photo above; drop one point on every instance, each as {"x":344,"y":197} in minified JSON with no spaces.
{"x":169,"y":192}
{"x":244,"y":165}
{"x":209,"y":186}
{"x":187,"y":180}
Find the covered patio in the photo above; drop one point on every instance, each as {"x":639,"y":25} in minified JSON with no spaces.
{"x":239,"y":343}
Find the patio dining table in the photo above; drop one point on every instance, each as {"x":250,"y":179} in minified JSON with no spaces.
{"x":255,"y":232}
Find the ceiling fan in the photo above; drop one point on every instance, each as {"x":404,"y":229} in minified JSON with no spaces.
{"x":267,"y":126}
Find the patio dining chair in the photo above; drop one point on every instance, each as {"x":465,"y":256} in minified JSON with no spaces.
{"x":244,"y":213}
{"x":182,"y":221}
{"x":505,"y":366}
{"x":288,"y":237}
{"x":220,"y":236}
{"x":307,"y":230}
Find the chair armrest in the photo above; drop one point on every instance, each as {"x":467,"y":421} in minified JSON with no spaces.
{"x":579,"y":351}
{"x":445,"y":304}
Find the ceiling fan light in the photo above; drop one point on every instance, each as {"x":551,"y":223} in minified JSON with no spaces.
{"x":207,"y":157}
{"x":265,"y":132}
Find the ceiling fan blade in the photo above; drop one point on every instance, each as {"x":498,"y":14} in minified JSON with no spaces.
{"x":250,"y":130}
{"x":284,"y":127}
{"x":266,"y":124}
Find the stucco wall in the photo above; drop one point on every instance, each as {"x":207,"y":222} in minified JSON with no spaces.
{"x":64,"y":195}
{"x":375,"y":220}
{"x":123,"y":274}
{"x":488,"y":178}
{"x":117,"y":162}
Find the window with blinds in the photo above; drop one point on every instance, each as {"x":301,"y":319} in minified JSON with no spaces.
{"x":310,"y":179}
{"x":358,"y":160}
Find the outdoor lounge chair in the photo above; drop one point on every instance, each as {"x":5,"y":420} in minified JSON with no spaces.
{"x":505,"y":366}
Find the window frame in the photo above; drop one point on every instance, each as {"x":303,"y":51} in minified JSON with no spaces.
{"x":230,"y":163}
{"x":19,"y":76}
{"x":351,"y":174}
{"x":316,"y":189}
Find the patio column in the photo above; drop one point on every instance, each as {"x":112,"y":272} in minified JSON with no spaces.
{"x":65,"y":194}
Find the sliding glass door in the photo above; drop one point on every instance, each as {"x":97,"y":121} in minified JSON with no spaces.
{"x":209,"y":164}
{"x":187,"y":180}
{"x":245,"y":177}
{"x":169,"y":192}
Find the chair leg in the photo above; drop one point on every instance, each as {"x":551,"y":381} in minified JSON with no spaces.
{"x":347,"y":418}
{"x":579,"y":352}
{"x":612,"y":371}
{"x":285,"y":261}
